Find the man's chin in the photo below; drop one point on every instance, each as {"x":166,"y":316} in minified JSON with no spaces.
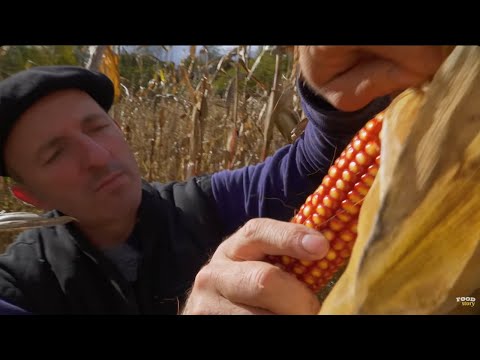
{"x":125,"y":198}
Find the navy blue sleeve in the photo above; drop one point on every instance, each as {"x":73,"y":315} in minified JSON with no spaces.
{"x":9,"y":309}
{"x":278,"y":186}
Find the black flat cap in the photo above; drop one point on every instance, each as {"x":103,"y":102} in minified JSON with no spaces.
{"x":19,"y":91}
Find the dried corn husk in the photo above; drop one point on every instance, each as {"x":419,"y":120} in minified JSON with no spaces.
{"x":419,"y":229}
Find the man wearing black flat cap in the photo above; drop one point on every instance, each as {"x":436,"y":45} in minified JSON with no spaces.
{"x":140,"y":247}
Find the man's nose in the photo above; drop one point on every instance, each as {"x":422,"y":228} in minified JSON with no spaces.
{"x":93,"y":153}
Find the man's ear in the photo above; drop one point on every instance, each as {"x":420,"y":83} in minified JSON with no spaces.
{"x":22,"y":194}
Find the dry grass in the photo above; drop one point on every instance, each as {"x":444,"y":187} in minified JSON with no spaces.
{"x":159,"y":132}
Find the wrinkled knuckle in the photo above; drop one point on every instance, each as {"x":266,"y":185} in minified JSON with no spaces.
{"x":221,"y":251}
{"x":250,"y":229}
{"x":263,"y":277}
{"x":204,"y":278}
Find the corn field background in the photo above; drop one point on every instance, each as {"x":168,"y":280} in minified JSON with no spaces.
{"x":210,"y":111}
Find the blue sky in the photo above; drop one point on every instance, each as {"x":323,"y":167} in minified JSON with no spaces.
{"x":176,"y":52}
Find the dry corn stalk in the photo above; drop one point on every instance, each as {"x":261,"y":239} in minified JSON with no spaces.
{"x":417,"y":249}
{"x":25,"y":220}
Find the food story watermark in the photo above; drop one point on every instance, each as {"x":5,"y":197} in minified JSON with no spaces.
{"x":466,"y":301}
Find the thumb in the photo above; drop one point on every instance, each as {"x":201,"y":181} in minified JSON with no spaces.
{"x":261,"y":237}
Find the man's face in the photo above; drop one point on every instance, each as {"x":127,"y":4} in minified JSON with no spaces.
{"x":72,"y":157}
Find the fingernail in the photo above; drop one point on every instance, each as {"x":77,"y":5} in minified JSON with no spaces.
{"x":315,"y":245}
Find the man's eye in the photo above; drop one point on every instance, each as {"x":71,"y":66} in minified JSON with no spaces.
{"x":53,"y":157}
{"x":100,"y":127}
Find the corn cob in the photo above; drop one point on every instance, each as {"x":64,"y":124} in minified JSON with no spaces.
{"x":333,"y":209}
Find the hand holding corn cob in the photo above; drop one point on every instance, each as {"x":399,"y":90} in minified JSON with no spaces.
{"x":238,"y":281}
